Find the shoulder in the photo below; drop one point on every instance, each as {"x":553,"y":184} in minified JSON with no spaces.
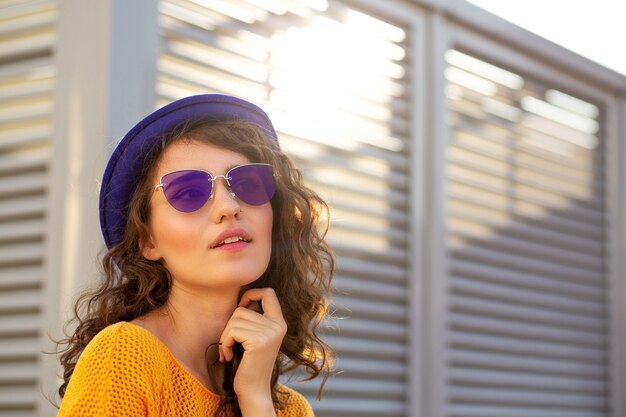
{"x":125,"y":340}
{"x":120,"y":372}
{"x":124,"y":348}
{"x":295,"y":404}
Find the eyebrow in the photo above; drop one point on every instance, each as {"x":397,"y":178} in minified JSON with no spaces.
{"x":228,"y":168}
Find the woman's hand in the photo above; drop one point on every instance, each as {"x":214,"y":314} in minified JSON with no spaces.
{"x":261,"y":335}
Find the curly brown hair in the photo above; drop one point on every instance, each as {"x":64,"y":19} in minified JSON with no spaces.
{"x":300,"y":267}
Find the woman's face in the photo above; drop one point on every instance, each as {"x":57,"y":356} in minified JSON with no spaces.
{"x":192,"y":244}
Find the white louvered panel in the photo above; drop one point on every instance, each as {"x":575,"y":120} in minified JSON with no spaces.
{"x":526,"y":233}
{"x":351,"y":144}
{"x":27,"y":77}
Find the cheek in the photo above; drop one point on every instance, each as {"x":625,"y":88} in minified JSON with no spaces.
{"x":173,"y":231}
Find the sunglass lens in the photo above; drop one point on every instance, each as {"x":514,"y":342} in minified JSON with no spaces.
{"x":253,"y":184}
{"x":187,"y":191}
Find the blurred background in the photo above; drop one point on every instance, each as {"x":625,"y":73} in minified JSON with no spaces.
{"x":473,"y":169}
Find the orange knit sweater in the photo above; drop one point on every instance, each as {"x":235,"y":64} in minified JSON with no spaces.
{"x":127,"y":371}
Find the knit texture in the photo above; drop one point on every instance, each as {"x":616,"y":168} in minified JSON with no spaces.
{"x":127,"y":371}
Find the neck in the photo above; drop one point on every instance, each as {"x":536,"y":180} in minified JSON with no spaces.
{"x":199,"y":317}
{"x":190,"y":322}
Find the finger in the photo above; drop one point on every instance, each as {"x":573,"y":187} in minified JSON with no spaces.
{"x":226,"y":348}
{"x":249,"y":339}
{"x":245,"y":313}
{"x":268,"y":299}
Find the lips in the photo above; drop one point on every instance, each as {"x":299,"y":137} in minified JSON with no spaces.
{"x":230,"y":236}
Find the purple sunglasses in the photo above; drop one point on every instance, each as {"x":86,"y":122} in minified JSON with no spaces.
{"x":188,"y":190}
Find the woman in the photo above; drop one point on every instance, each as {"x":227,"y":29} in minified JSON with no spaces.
{"x":216,"y":275}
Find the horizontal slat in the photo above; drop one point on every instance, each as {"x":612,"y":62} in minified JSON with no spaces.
{"x":381,"y":291}
{"x":590,"y":306}
{"x":28,"y":88}
{"x":22,"y":207}
{"x":13,"y":396}
{"x":365,"y":174}
{"x":315,"y":154}
{"x":502,"y":136}
{"x":26,"y":109}
{"x":462,"y":233}
{"x":518,"y":262}
{"x":364,"y":308}
{"x":19,"y":411}
{"x":345,"y":243}
{"x":352,"y":199}
{"x":21,"y":8}
{"x":310,"y":145}
{"x":20,"y":324}
{"x":367,"y":348}
{"x":525,"y":380}
{"x":37,"y":42}
{"x":372,"y":269}
{"x":21,"y":253}
{"x":24,"y":161}
{"x":514,"y":194}
{"x":367,"y":186}
{"x":20,"y":71}
{"x":208,"y":55}
{"x":375,"y":329}
{"x":353,"y":133}
{"x":353,"y":387}
{"x":501,"y":174}
{"x":513,"y":328}
{"x":525,"y":212}
{"x":343,"y":208}
{"x":173,"y":70}
{"x":546,"y":285}
{"x":529,"y":364}
{"x":23,"y":184}
{"x":527,"y":314}
{"x":19,"y":348}
{"x":20,"y":277}
{"x":482,"y":154}
{"x":525,"y":346}
{"x":365,"y":407}
{"x":19,"y":230}
{"x":18,"y":372}
{"x":371,"y":233}
{"x":525,"y":398}
{"x":354,"y":367}
{"x":20,"y":300}
{"x":528,"y":229}
{"x":473,"y":410}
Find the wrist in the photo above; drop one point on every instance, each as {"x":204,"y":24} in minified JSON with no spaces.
{"x":256,"y":405}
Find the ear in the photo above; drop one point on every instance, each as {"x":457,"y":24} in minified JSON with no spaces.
{"x":149,"y":250}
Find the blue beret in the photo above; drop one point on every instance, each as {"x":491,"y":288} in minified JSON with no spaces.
{"x":138,"y":146}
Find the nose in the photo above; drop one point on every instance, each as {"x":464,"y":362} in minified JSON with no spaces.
{"x":224,"y":204}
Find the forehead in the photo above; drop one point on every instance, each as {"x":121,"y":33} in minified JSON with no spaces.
{"x":197,"y":155}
